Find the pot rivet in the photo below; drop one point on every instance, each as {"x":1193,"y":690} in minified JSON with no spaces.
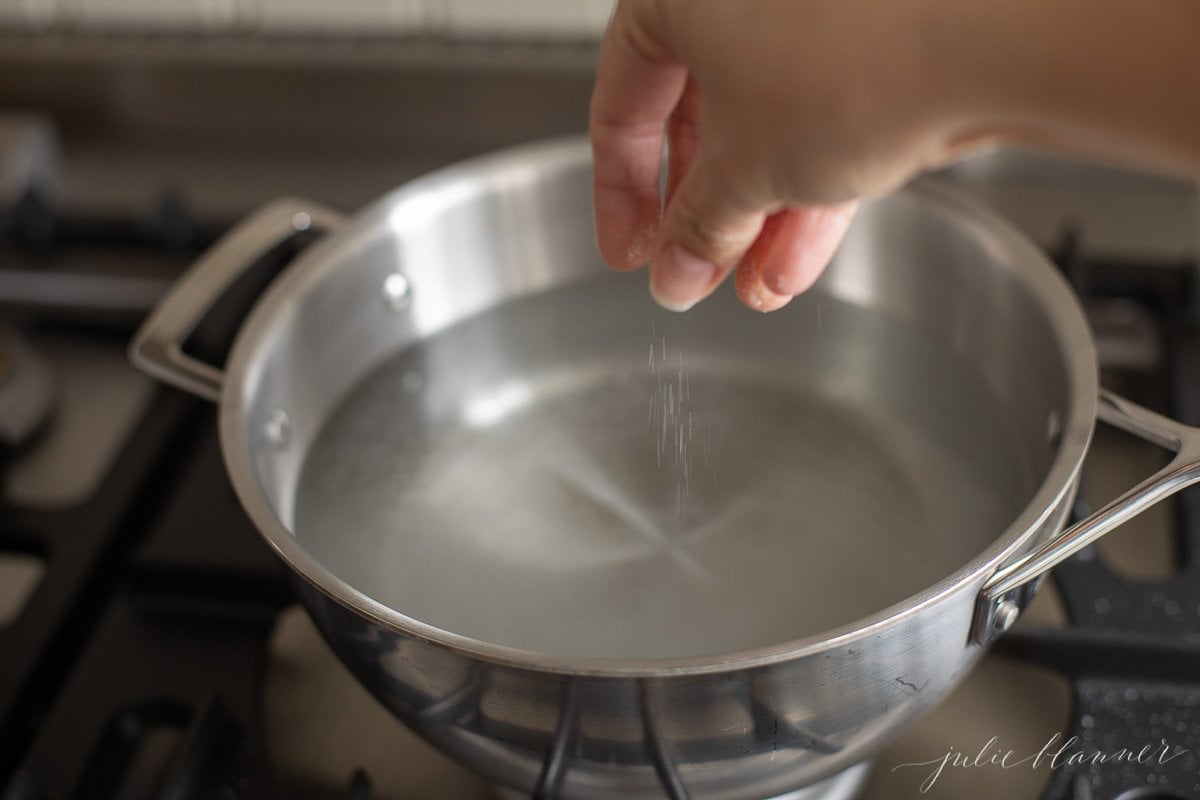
{"x":1006,"y":615}
{"x":396,"y":290}
{"x":278,"y":428}
{"x":301,"y":221}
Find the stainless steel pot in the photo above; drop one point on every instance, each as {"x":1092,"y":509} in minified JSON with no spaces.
{"x":596,"y":550}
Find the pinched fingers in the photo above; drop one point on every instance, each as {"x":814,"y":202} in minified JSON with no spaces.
{"x":707,"y":226}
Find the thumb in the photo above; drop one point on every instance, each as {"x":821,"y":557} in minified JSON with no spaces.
{"x":703,"y":236}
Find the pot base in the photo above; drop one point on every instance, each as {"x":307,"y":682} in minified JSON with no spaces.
{"x":844,"y":786}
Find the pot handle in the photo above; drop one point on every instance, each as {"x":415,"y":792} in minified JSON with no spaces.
{"x":1008,"y":590}
{"x":157,"y":349}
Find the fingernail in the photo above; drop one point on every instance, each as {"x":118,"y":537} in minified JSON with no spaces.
{"x":680,"y":280}
{"x":780,"y":283}
{"x":764,"y":300}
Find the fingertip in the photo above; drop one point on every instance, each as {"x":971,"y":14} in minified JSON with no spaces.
{"x":791,"y":278}
{"x":804,"y":245}
{"x":680,"y":279}
{"x":764,"y":300}
{"x":753,"y":292}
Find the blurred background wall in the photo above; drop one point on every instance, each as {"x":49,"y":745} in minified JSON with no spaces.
{"x":231,"y":102}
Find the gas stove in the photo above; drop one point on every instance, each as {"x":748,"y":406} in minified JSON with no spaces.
{"x":151,"y":646}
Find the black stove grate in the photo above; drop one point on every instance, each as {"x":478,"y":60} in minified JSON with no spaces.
{"x":135,"y":668}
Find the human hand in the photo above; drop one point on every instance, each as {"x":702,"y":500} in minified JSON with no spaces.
{"x":779,"y":115}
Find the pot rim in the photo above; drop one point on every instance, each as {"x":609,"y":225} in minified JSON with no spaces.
{"x":528,"y":161}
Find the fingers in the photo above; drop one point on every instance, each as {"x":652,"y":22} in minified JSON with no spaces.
{"x":702,"y":237}
{"x":751,"y":288}
{"x":790,"y":254}
{"x":801,"y":247}
{"x":643,"y":95}
{"x":638,"y":86}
